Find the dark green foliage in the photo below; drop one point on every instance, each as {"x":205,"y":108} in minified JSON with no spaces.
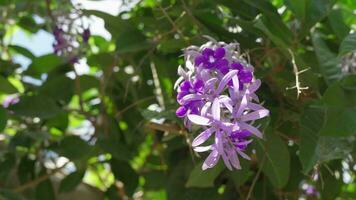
{"x":64,"y":131}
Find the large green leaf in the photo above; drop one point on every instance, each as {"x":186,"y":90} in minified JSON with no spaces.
{"x":348,"y":44}
{"x":128,"y":37}
{"x":315,"y":148}
{"x":6,"y":87}
{"x":45,"y":191}
{"x":126,"y":174}
{"x":273,"y":157}
{"x":3,"y":118}
{"x":71,"y":181}
{"x":36,"y":106}
{"x":337,"y":23}
{"x":74,"y":148}
{"x":328,"y":61}
{"x":297,"y":7}
{"x":60,"y":88}
{"x":45,"y":64}
{"x":202,"y":179}
{"x":9,"y":195}
{"x":316,"y":10}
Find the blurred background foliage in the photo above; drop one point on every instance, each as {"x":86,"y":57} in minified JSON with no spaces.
{"x":110,"y":132}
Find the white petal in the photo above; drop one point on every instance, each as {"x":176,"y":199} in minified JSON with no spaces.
{"x":202,"y":148}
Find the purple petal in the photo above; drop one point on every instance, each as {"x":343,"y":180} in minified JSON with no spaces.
{"x":245,"y":76}
{"x":220,"y":148}
{"x":198,"y":84}
{"x":234,"y":160}
{"x":254,"y":106}
{"x":236,"y":84}
{"x":255,"y":115}
{"x":219,"y":53}
{"x":208,"y":52}
{"x":197,"y":119}
{"x":242,"y":154}
{"x":237,"y":65}
{"x":181,"y":111}
{"x":211,"y":160}
{"x":243,"y":105}
{"x":199,"y":60}
{"x":223,"y":63}
{"x":254,"y":86}
{"x":227,"y":102}
{"x":202,"y":137}
{"x":185,"y":86}
{"x":215,"y":109}
{"x":210,"y":83}
{"x":205,"y":109}
{"x":191,"y":97}
{"x":252,"y":129}
{"x":225,"y":80}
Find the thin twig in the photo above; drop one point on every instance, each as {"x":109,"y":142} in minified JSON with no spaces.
{"x":174,"y":26}
{"x":38,"y":180}
{"x":256,"y":178}
{"x":120,"y":113}
{"x":158,"y":88}
{"x":173,"y":128}
{"x":49,"y":11}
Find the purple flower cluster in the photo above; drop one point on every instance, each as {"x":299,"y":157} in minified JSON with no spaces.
{"x":63,"y":45}
{"x":216,"y":90}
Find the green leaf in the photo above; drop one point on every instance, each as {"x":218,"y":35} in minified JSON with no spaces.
{"x":337,"y":23}
{"x":6,"y":86}
{"x":36,"y":106}
{"x":273,"y":157}
{"x":9,"y":195}
{"x":45,"y":64}
{"x":348,"y":44}
{"x":328,"y":61}
{"x":339,"y":122}
{"x":316,"y":10}
{"x":239,"y":177}
{"x":74,"y":148}
{"x":311,"y":122}
{"x":58,"y":88}
{"x":128,"y":37}
{"x":297,"y":7}
{"x":102,"y":60}
{"x":7,"y":163}
{"x":203,"y":179}
{"x":71,"y":181}
{"x":315,"y":148}
{"x":87,"y":82}
{"x":23,"y":51}
{"x":3,"y":118}
{"x":155,"y":179}
{"x":279,"y":34}
{"x":45,"y":191}
{"x":126,"y":174}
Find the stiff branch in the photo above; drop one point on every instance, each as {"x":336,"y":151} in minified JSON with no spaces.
{"x":297,"y":85}
{"x":38,"y":180}
{"x":256,"y":177}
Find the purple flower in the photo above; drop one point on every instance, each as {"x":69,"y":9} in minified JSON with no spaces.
{"x":86,"y":35}
{"x":216,"y":90}
{"x":310,"y":190}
